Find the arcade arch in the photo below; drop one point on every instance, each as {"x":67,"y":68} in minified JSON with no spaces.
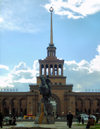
{"x":57,"y":104}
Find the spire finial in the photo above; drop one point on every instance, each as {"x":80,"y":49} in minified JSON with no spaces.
{"x":51,"y":9}
{"x":51,"y":32}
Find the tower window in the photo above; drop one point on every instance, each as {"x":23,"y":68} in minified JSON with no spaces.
{"x":48,"y":53}
{"x":47,"y":71}
{"x":42,"y":69}
{"x":55,"y":67}
{"x":60,"y":67}
{"x":51,"y":69}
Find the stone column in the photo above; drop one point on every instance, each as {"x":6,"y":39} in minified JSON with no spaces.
{"x":19,"y":108}
{"x":10,"y":106}
{"x":1,"y":106}
{"x":57,"y":70}
{"x":61,"y":70}
{"x":53,"y":70}
{"x":72,"y":104}
{"x":92,"y":106}
{"x":49,"y":70}
{"x":45,"y":69}
{"x":36,"y":104}
{"x":40,"y":70}
{"x":47,"y":53}
{"x":82,"y":105}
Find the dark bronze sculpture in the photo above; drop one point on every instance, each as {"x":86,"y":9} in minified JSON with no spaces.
{"x":45,"y":88}
{"x":45,"y":114}
{"x":45,"y":91}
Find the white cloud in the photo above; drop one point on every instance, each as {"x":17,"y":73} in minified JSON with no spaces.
{"x":20,"y":77}
{"x":1,"y":20}
{"x":84,"y":75}
{"x":6,"y":81}
{"x":74,"y":8}
{"x":98,"y":49}
{"x":95,"y":63}
{"x":4,"y":67}
{"x":78,"y":66}
{"x":20,"y":66}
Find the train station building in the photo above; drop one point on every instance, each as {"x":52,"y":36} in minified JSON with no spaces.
{"x":23,"y":103}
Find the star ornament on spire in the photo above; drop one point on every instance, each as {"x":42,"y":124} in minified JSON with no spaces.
{"x":51,"y":9}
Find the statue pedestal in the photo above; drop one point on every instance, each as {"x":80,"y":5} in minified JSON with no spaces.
{"x":42,"y":117}
{"x":48,"y":120}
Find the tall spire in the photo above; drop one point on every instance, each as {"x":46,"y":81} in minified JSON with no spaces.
{"x":51,"y":49}
{"x":51,"y":31}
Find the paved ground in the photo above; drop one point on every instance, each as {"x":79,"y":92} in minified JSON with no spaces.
{"x":57,"y":125}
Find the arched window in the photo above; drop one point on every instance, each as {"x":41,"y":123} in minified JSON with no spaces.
{"x":42,"y":69}
{"x":23,"y":106}
{"x":51,"y":70}
{"x":87,"y":105}
{"x":48,"y":53}
{"x":79,"y":104}
{"x":47,"y":71}
{"x":6,"y":107}
{"x":55,"y":67}
{"x":14,"y":105}
{"x":60,"y":66}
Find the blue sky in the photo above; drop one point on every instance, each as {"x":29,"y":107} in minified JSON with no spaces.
{"x":25,"y":34}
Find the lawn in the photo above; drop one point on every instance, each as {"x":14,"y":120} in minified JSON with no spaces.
{"x":97,"y":126}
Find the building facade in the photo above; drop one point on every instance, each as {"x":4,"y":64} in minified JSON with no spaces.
{"x":22,"y":103}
